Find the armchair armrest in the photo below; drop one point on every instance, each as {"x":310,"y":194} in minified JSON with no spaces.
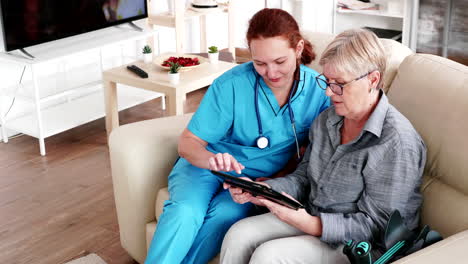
{"x":450,"y":250}
{"x":141,"y":154}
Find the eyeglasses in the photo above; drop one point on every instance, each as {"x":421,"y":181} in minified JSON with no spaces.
{"x":336,"y":88}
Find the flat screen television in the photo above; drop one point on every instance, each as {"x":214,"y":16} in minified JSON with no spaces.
{"x":30,"y":22}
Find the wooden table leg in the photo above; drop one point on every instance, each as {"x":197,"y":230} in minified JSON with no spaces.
{"x":110,"y":99}
{"x":175,"y":103}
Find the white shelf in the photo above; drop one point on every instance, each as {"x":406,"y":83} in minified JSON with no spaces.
{"x":399,"y":15}
{"x":370,"y":13}
{"x":63,"y":81}
{"x":59,"y":118}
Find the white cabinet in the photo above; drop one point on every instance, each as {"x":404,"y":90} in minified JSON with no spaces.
{"x":50,"y":106}
{"x":399,"y":15}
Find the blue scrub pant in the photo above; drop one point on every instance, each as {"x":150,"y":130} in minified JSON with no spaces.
{"x":195,"y":219}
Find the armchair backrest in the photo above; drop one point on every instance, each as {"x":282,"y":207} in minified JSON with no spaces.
{"x":432,"y":92}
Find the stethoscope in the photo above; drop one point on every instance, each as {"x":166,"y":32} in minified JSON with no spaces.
{"x":262,"y":141}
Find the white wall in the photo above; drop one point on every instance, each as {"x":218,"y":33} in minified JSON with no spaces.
{"x":315,"y":15}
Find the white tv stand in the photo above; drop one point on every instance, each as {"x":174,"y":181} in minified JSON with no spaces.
{"x":81,"y":104}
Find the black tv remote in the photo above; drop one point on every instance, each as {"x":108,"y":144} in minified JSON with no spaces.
{"x":138,"y":71}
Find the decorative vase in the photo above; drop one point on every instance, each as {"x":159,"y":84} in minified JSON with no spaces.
{"x":148,"y":57}
{"x":213,"y":57}
{"x":174,"y":77}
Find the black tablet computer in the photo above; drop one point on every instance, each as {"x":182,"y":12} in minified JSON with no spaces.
{"x":257,"y":189}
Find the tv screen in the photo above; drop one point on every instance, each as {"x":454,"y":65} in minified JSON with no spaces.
{"x":31,"y":22}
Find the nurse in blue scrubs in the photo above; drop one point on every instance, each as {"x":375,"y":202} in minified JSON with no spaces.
{"x":251,"y":120}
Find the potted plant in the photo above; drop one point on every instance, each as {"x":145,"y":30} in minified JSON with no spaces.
{"x":213,"y":54}
{"x":147,"y":54}
{"x":174,"y":75}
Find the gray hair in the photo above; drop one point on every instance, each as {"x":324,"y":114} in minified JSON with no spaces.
{"x":356,"y":51}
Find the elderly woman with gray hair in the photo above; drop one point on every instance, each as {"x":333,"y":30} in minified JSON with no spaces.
{"x":364,"y":161}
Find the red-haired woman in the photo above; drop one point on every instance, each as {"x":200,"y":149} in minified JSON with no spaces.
{"x":251,"y":121}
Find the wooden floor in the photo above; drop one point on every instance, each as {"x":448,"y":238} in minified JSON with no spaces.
{"x":61,"y":206}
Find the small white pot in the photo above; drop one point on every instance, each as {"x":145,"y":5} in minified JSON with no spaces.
{"x":174,"y":78}
{"x":148,"y":57}
{"x":213,"y":57}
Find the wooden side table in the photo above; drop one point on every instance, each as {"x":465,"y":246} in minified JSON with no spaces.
{"x":158,"y":81}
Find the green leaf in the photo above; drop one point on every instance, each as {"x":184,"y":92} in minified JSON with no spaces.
{"x":147,"y":49}
{"x":174,"y":67}
{"x":212,"y":49}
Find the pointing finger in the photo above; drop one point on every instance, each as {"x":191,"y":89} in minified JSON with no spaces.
{"x":212,"y":164}
{"x":227,"y":161}
{"x":219,"y":160}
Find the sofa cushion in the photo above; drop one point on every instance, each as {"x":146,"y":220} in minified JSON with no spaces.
{"x":320,"y":42}
{"x":451,"y":250}
{"x":432,"y":92}
{"x":396,"y":53}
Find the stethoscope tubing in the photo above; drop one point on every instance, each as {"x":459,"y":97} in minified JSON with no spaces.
{"x":290,"y":110}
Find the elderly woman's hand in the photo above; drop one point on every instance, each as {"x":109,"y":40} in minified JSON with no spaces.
{"x":225,"y":162}
{"x":241,"y":197}
{"x":298,"y":218}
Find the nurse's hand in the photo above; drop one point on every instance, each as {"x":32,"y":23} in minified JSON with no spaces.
{"x":225,"y":162}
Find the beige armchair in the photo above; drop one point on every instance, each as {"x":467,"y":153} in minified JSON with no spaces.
{"x":431,"y":91}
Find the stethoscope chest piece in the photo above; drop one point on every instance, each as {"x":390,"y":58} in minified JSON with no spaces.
{"x":262,"y":142}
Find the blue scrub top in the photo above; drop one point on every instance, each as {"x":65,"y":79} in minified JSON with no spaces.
{"x":226,"y":118}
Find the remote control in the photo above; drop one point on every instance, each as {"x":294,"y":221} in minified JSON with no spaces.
{"x":138,"y":71}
